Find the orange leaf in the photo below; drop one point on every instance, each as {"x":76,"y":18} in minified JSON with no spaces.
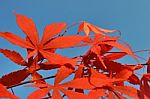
{"x":83,"y":26}
{"x":64,"y":42}
{"x":28,"y":27}
{"x":73,"y":95}
{"x":79,"y":83}
{"x":15,"y":40}
{"x":56,"y":94}
{"x":58,"y":59}
{"x":38,"y":94}
{"x":6,"y":94}
{"x":13,"y":56}
{"x":52,"y":30}
{"x":36,"y":76}
{"x":96,"y":94}
{"x":111,"y":95}
{"x":62,"y":73}
{"x":99,"y":82}
{"x":87,"y":27}
{"x":121,"y":47}
{"x":127,"y":90}
{"x":14,"y":77}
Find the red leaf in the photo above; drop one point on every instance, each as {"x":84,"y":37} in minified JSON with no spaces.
{"x":99,"y":82}
{"x":48,"y":66}
{"x":124,"y":74}
{"x":121,"y":47}
{"x":62,"y":73}
{"x":15,"y":40}
{"x":14,"y":77}
{"x":95,"y":74}
{"x":58,"y":59}
{"x":28,"y":27}
{"x":73,"y":95}
{"x":64,"y":42}
{"x":96,"y":94}
{"x":79,"y":83}
{"x":111,"y":95}
{"x":133,"y":79}
{"x":114,"y":56}
{"x":38,"y":94}
{"x":79,"y":72}
{"x":36,"y":76}
{"x":127,"y":90}
{"x":13,"y":56}
{"x":52,"y":30}
{"x":56,"y":94}
{"x":6,"y":94}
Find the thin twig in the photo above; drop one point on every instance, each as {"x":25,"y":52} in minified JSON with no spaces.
{"x":12,"y":91}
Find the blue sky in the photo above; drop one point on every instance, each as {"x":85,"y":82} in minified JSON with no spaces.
{"x":131,"y":17}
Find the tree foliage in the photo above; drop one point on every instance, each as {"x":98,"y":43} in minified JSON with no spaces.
{"x":96,"y":73}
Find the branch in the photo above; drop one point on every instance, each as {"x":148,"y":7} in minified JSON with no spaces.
{"x":30,"y":81}
{"x":49,"y":77}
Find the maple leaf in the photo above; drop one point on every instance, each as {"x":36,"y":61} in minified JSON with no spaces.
{"x":87,"y":27}
{"x":13,"y":56}
{"x":77,"y":83}
{"x":96,"y":94}
{"x":114,"y":56}
{"x":6,"y":94}
{"x":127,"y":90}
{"x":14,"y":77}
{"x":47,"y":44}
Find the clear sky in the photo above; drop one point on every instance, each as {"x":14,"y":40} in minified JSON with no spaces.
{"x":131,"y":17}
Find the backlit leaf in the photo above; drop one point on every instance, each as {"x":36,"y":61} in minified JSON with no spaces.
{"x":74,"y":95}
{"x":62,"y":73}
{"x":13,"y":56}
{"x":38,"y":94}
{"x":52,"y":30}
{"x":64,"y":42}
{"x":28,"y":27}
{"x":127,"y":90}
{"x":79,"y":83}
{"x":15,"y":40}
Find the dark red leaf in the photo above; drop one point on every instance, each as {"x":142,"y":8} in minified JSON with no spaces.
{"x":114,"y":56}
{"x":14,"y":77}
